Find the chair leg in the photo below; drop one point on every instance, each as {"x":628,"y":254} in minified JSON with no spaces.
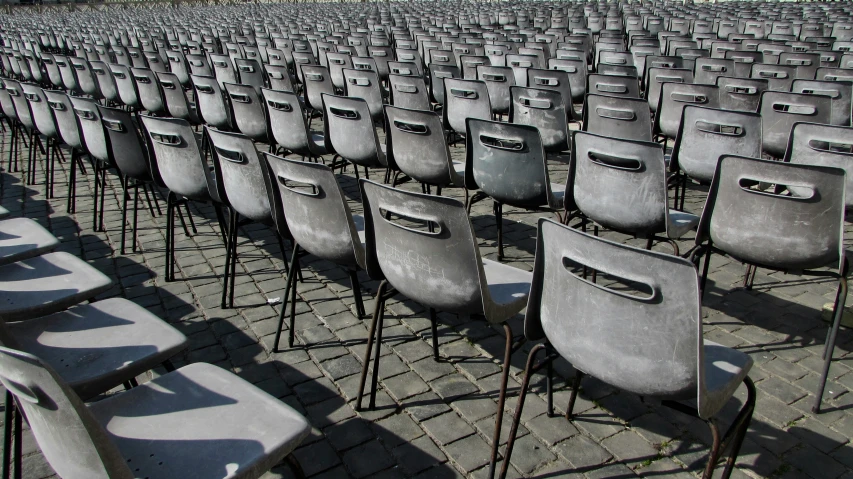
{"x":19,"y":446}
{"x":95,"y":203}
{"x":231,"y":251}
{"x":576,"y":385}
{"x":190,"y":217}
{"x":496,"y":439}
{"x":103,"y":192}
{"x":356,"y":293}
{"x":170,"y":234}
{"x":716,"y":442}
{"x":837,"y":314}
{"x":295,"y":467}
{"x":377,"y":310}
{"x":705,"y":266}
{"x":434,"y":328}
{"x":8,"y":415}
{"x":283,"y":251}
{"x":233,"y":260}
{"x":517,"y":417}
{"x":284,"y":299}
{"x":498,"y":208}
{"x":549,"y":380}
{"x":135,"y":214}
{"x":124,"y":198}
{"x":292,"y":333}
{"x":744,"y":418}
{"x":72,"y":184}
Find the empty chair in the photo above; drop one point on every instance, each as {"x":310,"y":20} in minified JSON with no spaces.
{"x":23,"y":238}
{"x":223,"y":69}
{"x":545,"y":110}
{"x":249,"y":112}
{"x":658,"y":76}
{"x":610,"y":85}
{"x":126,"y":86}
{"x":779,"y":111}
{"x":100,"y":440}
{"x":465,"y":99}
{"x":349,"y":129}
{"x":741,"y":94}
{"x":459,"y":279}
{"x":707,"y":70}
{"x":470,"y":63}
{"x":706,"y":134}
{"x":337,"y":63}
{"x":779,"y":77}
{"x":150,"y":94}
{"x":498,"y":81}
{"x":577,"y":72}
{"x":674,"y":97}
{"x":288,"y":126}
{"x":106,"y":82}
{"x":665,"y":356}
{"x":179,"y":67}
{"x":210,"y":103}
{"x":806,"y":63}
{"x":841,"y":93}
{"x":520,"y":63}
{"x":364,"y":84}
{"x":416,"y":146}
{"x":316,"y":82}
{"x":42,"y":118}
{"x":437,"y":74}
{"x":818,"y":144}
{"x":795,"y":227}
{"x":556,"y":80}
{"x":618,"y":117}
{"x":86,"y":82}
{"x":320,"y":222}
{"x":95,"y":142}
{"x":279,"y":78}
{"x":408,"y":92}
{"x":621,"y":185}
{"x":506,"y":162}
{"x":250,"y":73}
{"x":67,"y":73}
{"x":198,"y":65}
{"x":176,"y":103}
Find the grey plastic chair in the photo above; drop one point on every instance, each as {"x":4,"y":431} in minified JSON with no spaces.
{"x":618,"y":117}
{"x":556,"y":80}
{"x":249,"y":111}
{"x":498,"y":80}
{"x":798,"y":229}
{"x":150,"y":95}
{"x":408,"y":92}
{"x":364,"y":84}
{"x":416,"y":146}
{"x":674,"y":97}
{"x":779,"y":111}
{"x":106,"y":81}
{"x":545,"y":110}
{"x":662,"y":354}
{"x":349,"y":129}
{"x":779,"y":77}
{"x":818,"y":144}
{"x":125,"y":85}
{"x":279,"y":78}
{"x":841,"y":93}
{"x":250,"y":73}
{"x":741,"y":94}
{"x":806,"y":63}
{"x":316,"y":83}
{"x":619,"y":86}
{"x":400,"y":225}
{"x":136,"y":429}
{"x":176,"y":102}
{"x":94,"y":141}
{"x":23,"y":238}
{"x":577,"y":71}
{"x":45,"y":124}
{"x":706,"y":134}
{"x":210,"y":102}
{"x":223,"y":69}
{"x":707,"y":70}
{"x":320,"y":222}
{"x":622,"y":185}
{"x":47,"y":284}
{"x":656,"y":77}
{"x":507,"y":162}
{"x":437,"y":75}
{"x":86,"y":82}
{"x":288,"y":126}
{"x":198,"y":65}
{"x":465,"y":99}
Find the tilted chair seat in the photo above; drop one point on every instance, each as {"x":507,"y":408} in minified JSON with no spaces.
{"x":23,"y":238}
{"x":47,"y":284}
{"x":725,"y":370}
{"x":225,"y":426}
{"x":3,"y":212}
{"x":95,"y":347}
{"x":680,"y":223}
{"x":508,"y":287}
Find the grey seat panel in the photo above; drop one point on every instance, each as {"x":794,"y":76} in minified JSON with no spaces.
{"x":47,"y":284}
{"x":680,"y":223}
{"x":725,"y":369}
{"x":251,"y":433}
{"x":23,"y":238}
{"x":3,"y":212}
{"x":95,"y":347}
{"x":508,"y":286}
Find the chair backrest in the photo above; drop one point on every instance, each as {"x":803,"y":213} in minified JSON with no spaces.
{"x":465,"y":99}
{"x":795,"y":230}
{"x":72,"y":440}
{"x":470,"y":63}
{"x":741,"y":94}
{"x":659,"y":354}
{"x":211,"y":102}
{"x":507,"y":162}
{"x":198,"y":65}
{"x":337,"y":63}
{"x":150,"y":94}
{"x":91,"y":129}
{"x":817,"y":144}
{"x":66,"y":71}
{"x":239,"y":176}
{"x":425,"y":247}
{"x":556,"y":80}
{"x":416,"y":145}
{"x":250,"y":73}
{"x":577,"y":72}
{"x":408,"y":92}
{"x":66,"y":119}
{"x":287,"y":122}
{"x":126,"y":148}
{"x":40,"y":110}
{"x":708,"y":133}
{"x":279,"y":77}
{"x":658,"y":76}
{"x":317,"y":81}
{"x":86,"y":81}
{"x":317,"y":213}
{"x":178,"y":66}
{"x":779,"y":77}
{"x":364,"y":84}
{"x":22,"y":107}
{"x":223,"y":69}
{"x":176,"y":103}
{"x":841,"y":93}
{"x":52,"y":70}
{"x":249,"y":111}
{"x":620,"y":184}
{"x":707,"y":70}
{"x":178,"y":159}
{"x":618,"y":117}
{"x":545,"y":110}
{"x":437,"y":74}
{"x":498,"y":80}
{"x":780,"y":110}
{"x":624,"y":87}
{"x":675,"y":96}
{"x":126,"y":86}
{"x":806,"y":63}
{"x":349,"y":129}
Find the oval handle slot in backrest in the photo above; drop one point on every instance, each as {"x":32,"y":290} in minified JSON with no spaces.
{"x":466,"y":94}
{"x":167,"y":85}
{"x":313,"y":77}
{"x":113,"y":125}
{"x":546,"y":81}
{"x":279,"y":105}
{"x":790,"y":192}
{"x":408,"y":222}
{"x":119,"y":75}
{"x":165,"y":138}
{"x":406,"y":88}
{"x":32,"y":97}
{"x":140,"y":79}
{"x":299,"y":187}
{"x":230,"y":155}
{"x":359,"y":81}
{"x":719,"y":128}
{"x":614,"y":114}
{"x":613,"y":161}
{"x":343,"y":113}
{"x":246,"y":68}
{"x":611,"y":88}
{"x":831,"y":147}
{"x":414,"y":128}
{"x":682,"y":97}
{"x":56,"y":105}
{"x":537,"y":103}
{"x":501,"y":143}
{"x":84,"y":114}
{"x":206,"y":89}
{"x":494,"y":77}
{"x":794,"y":109}
{"x":830,"y":93}
{"x":714,"y":68}
{"x":668,"y":79}
{"x":240,"y":97}
{"x":769,"y":74}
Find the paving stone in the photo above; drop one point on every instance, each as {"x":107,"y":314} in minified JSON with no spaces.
{"x":447,"y":428}
{"x":529,"y":454}
{"x":582,"y":452}
{"x":397,"y":429}
{"x":367,"y":459}
{"x":453,"y":386}
{"x":418,"y":455}
{"x":469,"y":453}
{"x":405,"y":385}
{"x":425,"y":406}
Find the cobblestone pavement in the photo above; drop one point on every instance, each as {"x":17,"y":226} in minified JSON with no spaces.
{"x":434,"y":419}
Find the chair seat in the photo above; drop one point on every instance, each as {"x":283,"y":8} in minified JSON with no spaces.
{"x":318,"y":143}
{"x":23,"y":238}
{"x":680,"y":223}
{"x":3,"y":212}
{"x":200,"y":422}
{"x":95,"y":347}
{"x":725,"y":369}
{"x":47,"y":284}
{"x":509,"y":288}
{"x":358,"y":220}
{"x":558,"y":193}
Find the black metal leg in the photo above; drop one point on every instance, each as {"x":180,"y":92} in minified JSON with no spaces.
{"x":434,"y":326}
{"x":374,"y":383}
{"x":716,"y":442}
{"x":95,"y":203}
{"x":135,"y":214}
{"x":498,"y":208}
{"x":72,"y":184}
{"x":283,"y":252}
{"x":838,"y":314}
{"x":356,"y":293}
{"x":377,"y":308}
{"x":124,"y":198}
{"x":170,"y":234}
{"x":292,"y":332}
{"x":496,"y":439}
{"x":19,"y":444}
{"x":284,"y":298}
{"x":103,"y":191}
{"x":229,"y":251}
{"x":7,"y":433}
{"x":295,"y":467}
{"x":233,"y":260}
{"x":190,"y":217}
{"x":740,"y":426}
{"x":549,"y":380}
{"x":517,"y":418}
{"x":576,"y":385}
{"x":168,"y":366}
{"x":705,"y":266}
